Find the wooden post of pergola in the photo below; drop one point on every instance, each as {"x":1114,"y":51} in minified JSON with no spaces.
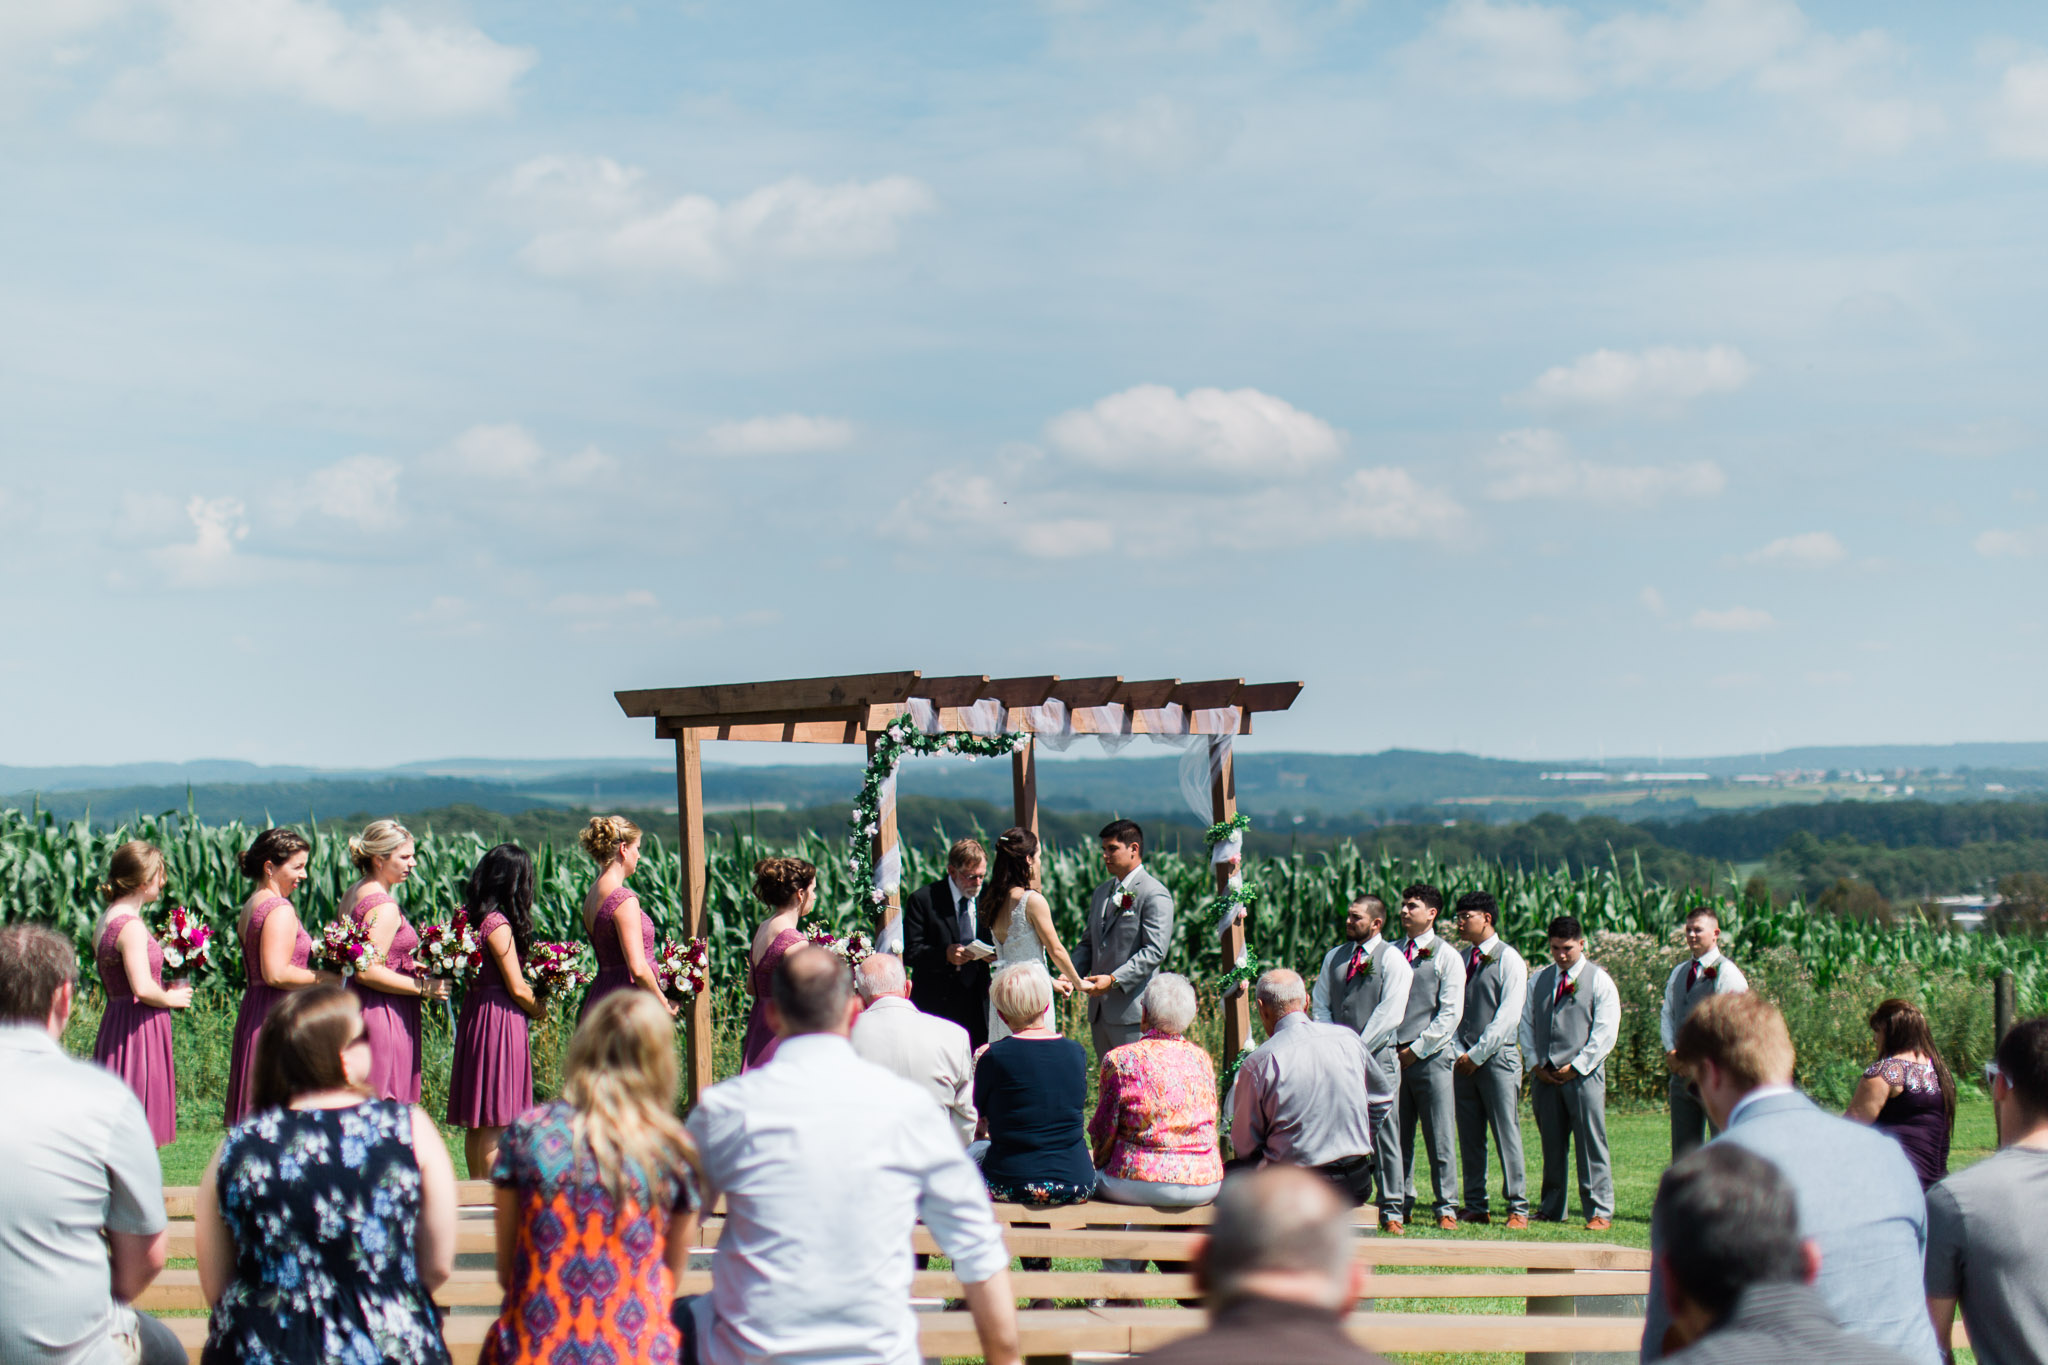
{"x":855,"y":709}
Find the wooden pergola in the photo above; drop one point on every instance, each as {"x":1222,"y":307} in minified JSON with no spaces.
{"x":855,"y":709}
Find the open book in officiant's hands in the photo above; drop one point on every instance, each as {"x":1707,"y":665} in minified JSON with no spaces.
{"x":979,"y":951}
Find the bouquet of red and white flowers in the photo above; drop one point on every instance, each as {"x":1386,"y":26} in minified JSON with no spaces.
{"x":454,"y":950}
{"x":344,"y":946}
{"x":855,"y":947}
{"x":555,"y":967}
{"x":186,"y":941}
{"x":684,"y":968}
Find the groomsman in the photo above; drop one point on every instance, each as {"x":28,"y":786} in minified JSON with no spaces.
{"x":1569,"y":1025}
{"x":1487,"y":1076}
{"x":1427,"y":1038}
{"x":1706,"y":973}
{"x":939,"y":921}
{"x":1363,"y":985}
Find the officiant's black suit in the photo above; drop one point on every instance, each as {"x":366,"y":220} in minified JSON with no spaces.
{"x":931,"y":923}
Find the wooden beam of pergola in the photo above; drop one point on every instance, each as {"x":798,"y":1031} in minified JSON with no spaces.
{"x":856,"y":708}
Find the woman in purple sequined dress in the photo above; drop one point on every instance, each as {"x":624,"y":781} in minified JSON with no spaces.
{"x":275,"y":952}
{"x":135,"y":1031}
{"x":1908,"y":1092}
{"x":789,"y":888}
{"x":491,"y":1082}
{"x":621,"y":934}
{"x":392,"y":987}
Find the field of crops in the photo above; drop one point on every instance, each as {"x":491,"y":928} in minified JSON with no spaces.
{"x":1829,"y":970}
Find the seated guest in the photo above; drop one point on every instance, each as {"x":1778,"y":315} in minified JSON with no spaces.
{"x":1031,"y":1088}
{"x":826,"y":1163}
{"x":1987,"y":1243}
{"x":931,"y":1053}
{"x":1154,"y":1130}
{"x":326,"y":1220}
{"x":1908,"y":1092}
{"x":1278,"y":1273}
{"x":1300,"y":1099}
{"x":82,"y":1221}
{"x":1857,"y":1195}
{"x":594,"y":1211}
{"x":1736,"y":1272}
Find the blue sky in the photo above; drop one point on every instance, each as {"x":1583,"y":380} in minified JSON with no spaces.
{"x":390,"y":382}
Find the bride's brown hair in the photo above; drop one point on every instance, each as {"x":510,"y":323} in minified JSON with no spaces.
{"x":1015,"y":849}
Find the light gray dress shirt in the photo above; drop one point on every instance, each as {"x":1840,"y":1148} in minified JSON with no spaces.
{"x":78,"y":1157}
{"x":933,"y":1054}
{"x":1301,"y":1097}
{"x":826,"y":1163}
{"x":1514,"y":993}
{"x":1386,"y":1016}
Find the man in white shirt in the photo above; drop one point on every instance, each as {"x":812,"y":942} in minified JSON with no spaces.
{"x":1700,"y":977}
{"x":1487,"y":1075}
{"x":1569,"y":1025}
{"x":826,"y":1163}
{"x":1363,"y":985}
{"x":931,"y":1053}
{"x":1426,"y":1046}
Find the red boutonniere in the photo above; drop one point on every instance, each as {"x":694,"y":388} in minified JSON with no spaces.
{"x":1361,"y":965}
{"x":1424,"y":954}
{"x":1125,"y":900}
{"x":1710,"y":973}
{"x":1565,"y":990}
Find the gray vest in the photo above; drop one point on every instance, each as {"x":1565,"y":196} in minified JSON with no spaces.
{"x":1689,"y":1000}
{"x":1562,"y":1026}
{"x":1353,"y":1001}
{"x":1421,"y":993}
{"x":1483,"y":990}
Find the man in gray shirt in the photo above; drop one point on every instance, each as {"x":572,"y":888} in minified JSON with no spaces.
{"x":82,"y":1223}
{"x":1363,"y":985}
{"x":1300,"y":1098}
{"x":1987,"y":1241}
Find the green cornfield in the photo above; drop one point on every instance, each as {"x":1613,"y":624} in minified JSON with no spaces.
{"x":1824,"y":970}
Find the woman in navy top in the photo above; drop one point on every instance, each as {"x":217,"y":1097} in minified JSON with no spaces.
{"x":1032,"y":1090}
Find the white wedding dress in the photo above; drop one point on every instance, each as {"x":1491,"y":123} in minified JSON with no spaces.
{"x":1021,"y":946}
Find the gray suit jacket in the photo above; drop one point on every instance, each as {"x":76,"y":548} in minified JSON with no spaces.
{"x":1126,"y":945}
{"x":1858,"y":1198}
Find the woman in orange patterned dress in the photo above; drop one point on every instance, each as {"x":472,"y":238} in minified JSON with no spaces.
{"x":596,"y":1212}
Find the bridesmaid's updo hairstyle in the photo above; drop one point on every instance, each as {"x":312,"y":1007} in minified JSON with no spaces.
{"x":605,"y":835}
{"x":134,"y":865}
{"x":272,"y":846}
{"x":779,"y":881}
{"x":379,"y":840}
{"x":299,"y":1050}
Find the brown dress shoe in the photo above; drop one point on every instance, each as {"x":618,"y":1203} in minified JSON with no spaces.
{"x":1518,"y":1222}
{"x":1597,"y":1225}
{"x":1446,"y":1223}
{"x":1392,"y":1228}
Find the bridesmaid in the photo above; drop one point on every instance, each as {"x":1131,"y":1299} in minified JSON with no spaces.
{"x":491,"y":1083}
{"x":789,"y":888}
{"x":135,"y":1031}
{"x":620,"y":932}
{"x":275,"y":952}
{"x":391,"y":989}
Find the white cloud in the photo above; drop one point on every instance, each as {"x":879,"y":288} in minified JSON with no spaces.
{"x":1732,"y":618}
{"x":2017,"y":122}
{"x":790,"y":434}
{"x":218,"y":525}
{"x":1154,"y":429}
{"x":383,"y":65}
{"x":1652,"y":600}
{"x":507,"y":453}
{"x":1657,"y":379}
{"x":1158,"y":133}
{"x":1537,"y":463}
{"x":360,"y":491}
{"x":2007,"y":544}
{"x":1550,"y":53}
{"x":1808,"y":550}
{"x":616,"y":228}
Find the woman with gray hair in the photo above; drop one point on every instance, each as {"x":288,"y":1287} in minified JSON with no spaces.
{"x":1154,"y":1130}
{"x":1030,"y":1088}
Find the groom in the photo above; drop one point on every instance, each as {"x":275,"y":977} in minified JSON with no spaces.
{"x":1130,"y":926}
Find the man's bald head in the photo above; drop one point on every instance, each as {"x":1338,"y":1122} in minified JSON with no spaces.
{"x":811,"y":992}
{"x":879,"y":975}
{"x":1279,"y":1233}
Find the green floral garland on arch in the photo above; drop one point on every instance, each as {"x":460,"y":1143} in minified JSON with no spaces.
{"x":1238,"y":895}
{"x":898,"y":740}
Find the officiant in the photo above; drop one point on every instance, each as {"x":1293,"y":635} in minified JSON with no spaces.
{"x":939,"y":923}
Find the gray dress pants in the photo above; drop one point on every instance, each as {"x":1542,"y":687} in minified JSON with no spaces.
{"x":1107,"y":1033}
{"x":1574,"y":1115}
{"x":1490,"y":1100}
{"x":1690,"y":1126}
{"x":1426,"y":1097}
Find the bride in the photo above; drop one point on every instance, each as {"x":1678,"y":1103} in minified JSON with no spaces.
{"x":1019,"y":920}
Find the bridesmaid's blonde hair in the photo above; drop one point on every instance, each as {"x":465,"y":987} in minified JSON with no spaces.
{"x":134,"y":865}
{"x":605,"y":835}
{"x":379,"y":839}
{"x":620,"y":1077}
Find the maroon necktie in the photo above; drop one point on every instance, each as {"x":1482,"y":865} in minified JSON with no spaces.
{"x":1359,"y":957}
{"x":1692,"y":975}
{"x":1473,"y":965}
{"x":1410,"y":952}
{"x":1564,"y":983}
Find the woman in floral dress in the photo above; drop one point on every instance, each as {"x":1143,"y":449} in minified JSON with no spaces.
{"x":327,"y":1220}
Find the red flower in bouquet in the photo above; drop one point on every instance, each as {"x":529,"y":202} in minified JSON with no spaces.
{"x":345,"y":946}
{"x":683,"y":969}
{"x":555,"y":967}
{"x":186,"y":941}
{"x":453,"y":950}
